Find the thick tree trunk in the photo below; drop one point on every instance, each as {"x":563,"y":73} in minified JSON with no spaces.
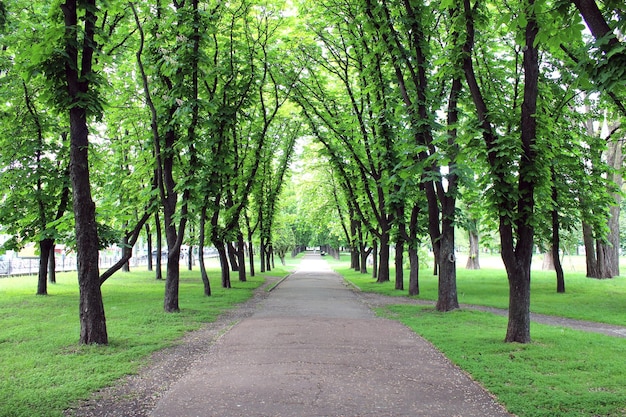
{"x":548,"y":260}
{"x":52,"y":266}
{"x":92,"y":320}
{"x":518,"y":329}
{"x":241,"y":257}
{"x":474,"y":251}
{"x":399,"y":261}
{"x":44,"y":256}
{"x":354,"y":246}
{"x":447,"y":298}
{"x":560,"y":276}
{"x":232,"y":257}
{"x":383,"y":267}
{"x":262,"y":254}
{"x":201,"y":239}
{"x":414,"y":288}
{"x":364,"y":254}
{"x":190,"y":261}
{"x":225,"y":267}
{"x":172,"y":279}
{"x":590,"y":252}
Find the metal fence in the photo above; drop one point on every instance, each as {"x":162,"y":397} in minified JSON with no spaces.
{"x":30,"y":266}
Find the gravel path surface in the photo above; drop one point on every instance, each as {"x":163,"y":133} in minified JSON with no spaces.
{"x":140,"y":395}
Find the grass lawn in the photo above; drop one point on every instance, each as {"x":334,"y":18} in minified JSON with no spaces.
{"x":44,"y":369}
{"x":602,"y":301}
{"x":562,"y":372}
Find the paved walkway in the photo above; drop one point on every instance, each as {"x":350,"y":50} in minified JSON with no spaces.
{"x":313,"y":349}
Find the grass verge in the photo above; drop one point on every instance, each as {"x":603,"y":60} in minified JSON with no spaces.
{"x":44,"y":369}
{"x":600,"y":301}
{"x":561,"y":373}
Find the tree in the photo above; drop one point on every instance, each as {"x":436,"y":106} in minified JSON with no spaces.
{"x":80,"y":101}
{"x":516,"y":209}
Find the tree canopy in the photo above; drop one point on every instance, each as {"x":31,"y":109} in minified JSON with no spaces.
{"x":409,"y":120}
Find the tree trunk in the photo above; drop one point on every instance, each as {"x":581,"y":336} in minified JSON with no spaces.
{"x":473,"y":259}
{"x":92,"y":320}
{"x":518,"y":329}
{"x":149,"y":242}
{"x":159,"y":232}
{"x":518,"y":261}
{"x":548,"y":260}
{"x":399,"y":262}
{"x":44,"y":256}
{"x":126,"y":267}
{"x":172,"y":279}
{"x":241,"y":257}
{"x":190,"y":258}
{"x":201,"y":238}
{"x":232,"y":257}
{"x":560,"y":276}
{"x":262,"y":254}
{"x":354,"y":246}
{"x":590,"y":252}
{"x":251,"y":255}
{"x":383,"y":268}
{"x":447,"y":298}
{"x":52,"y":266}
{"x":414,"y":288}
{"x":374,"y":258}
{"x":225,"y":267}
{"x":611,"y":250}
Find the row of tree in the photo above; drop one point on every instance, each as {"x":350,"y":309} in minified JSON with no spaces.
{"x":184,"y":115}
{"x":167,"y":114}
{"x":422,"y":108}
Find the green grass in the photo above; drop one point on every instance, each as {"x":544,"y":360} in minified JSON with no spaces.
{"x":44,"y":369}
{"x":561,"y":373}
{"x":602,"y":301}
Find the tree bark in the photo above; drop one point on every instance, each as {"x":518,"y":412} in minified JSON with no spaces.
{"x":474,"y":251}
{"x":52,"y":266}
{"x":241,"y":257}
{"x":374,"y":258}
{"x":399,"y":262}
{"x":590,"y":252}
{"x":44,"y":260}
{"x":414,"y":288}
{"x":548,"y":260}
{"x":159,"y":247}
{"x":92,"y":319}
{"x":126,"y":267}
{"x":232,"y":257}
{"x":447,"y":298}
{"x":516,"y":235}
{"x":383,"y":267}
{"x":223,"y":256}
{"x":201,"y":238}
{"x":149,"y":243}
